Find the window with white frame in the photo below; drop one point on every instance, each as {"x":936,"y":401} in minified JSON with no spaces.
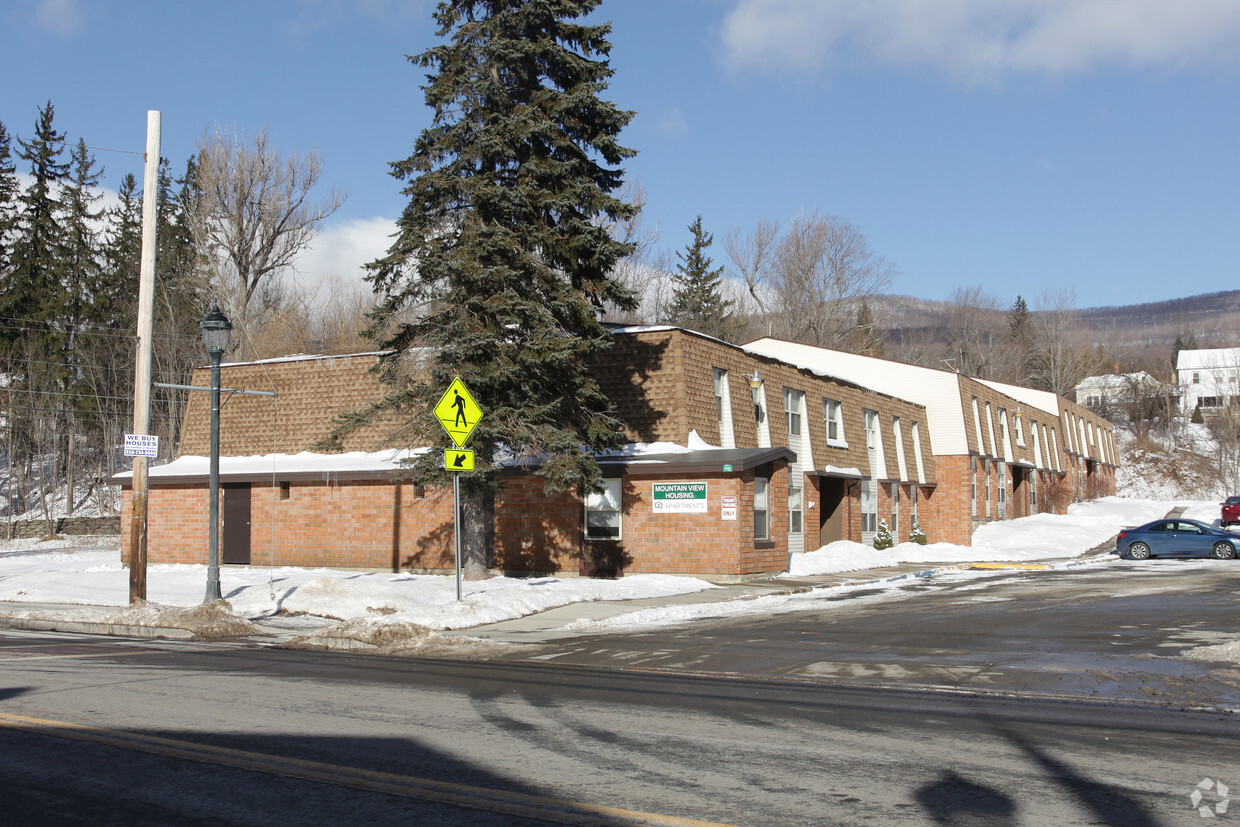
{"x":761,"y":508}
{"x":794,"y":401}
{"x":986,"y":471}
{"x":833,"y":418}
{"x":895,"y":510}
{"x":977,"y":426}
{"x":723,"y":409}
{"x":1001,"y":483}
{"x":603,"y":512}
{"x":897,"y":433}
{"x":796,"y":505}
{"x":973,"y":484}
{"x":869,"y":509}
{"x":921,"y":463}
{"x":1020,"y":428}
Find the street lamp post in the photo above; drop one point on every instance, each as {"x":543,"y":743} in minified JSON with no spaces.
{"x":216,"y":331}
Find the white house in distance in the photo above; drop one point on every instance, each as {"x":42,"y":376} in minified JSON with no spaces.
{"x":1114,"y":388}
{"x":1210,"y":378}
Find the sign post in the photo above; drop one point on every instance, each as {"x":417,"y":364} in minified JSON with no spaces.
{"x":459,"y":414}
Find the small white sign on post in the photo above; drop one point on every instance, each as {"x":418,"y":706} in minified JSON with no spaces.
{"x":141,"y":445}
{"x":728,"y":506}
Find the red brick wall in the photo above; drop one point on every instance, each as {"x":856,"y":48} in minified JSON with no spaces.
{"x":535,"y":532}
{"x":372,"y":525}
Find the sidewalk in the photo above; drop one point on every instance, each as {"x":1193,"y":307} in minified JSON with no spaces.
{"x":539,"y":627}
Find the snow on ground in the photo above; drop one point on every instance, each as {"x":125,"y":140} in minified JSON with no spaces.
{"x":88,"y":572}
{"x":1039,"y":537}
{"x":397,"y":612}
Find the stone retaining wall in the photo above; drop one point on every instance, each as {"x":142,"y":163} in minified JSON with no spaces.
{"x":36,"y":529}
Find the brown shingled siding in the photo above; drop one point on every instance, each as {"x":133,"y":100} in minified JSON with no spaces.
{"x":312,"y":392}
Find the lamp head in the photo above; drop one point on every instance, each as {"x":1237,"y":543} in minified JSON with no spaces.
{"x":216,"y":331}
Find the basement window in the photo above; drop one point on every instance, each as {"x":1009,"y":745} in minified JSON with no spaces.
{"x":603,"y":512}
{"x":284,"y":490}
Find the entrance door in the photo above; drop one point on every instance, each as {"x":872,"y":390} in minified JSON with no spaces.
{"x":1020,"y":495}
{"x":236,"y":545}
{"x":831,"y":524}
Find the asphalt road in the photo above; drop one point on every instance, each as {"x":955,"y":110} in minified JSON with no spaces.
{"x":753,"y":721}
{"x":1114,"y":632}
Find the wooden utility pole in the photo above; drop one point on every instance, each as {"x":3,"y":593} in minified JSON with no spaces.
{"x":142,"y":369}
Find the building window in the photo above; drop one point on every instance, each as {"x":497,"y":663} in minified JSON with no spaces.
{"x":793,"y":400}
{"x":796,"y":513}
{"x":723,"y":409}
{"x":285,"y":490}
{"x":897,"y":433}
{"x":833,"y":416}
{"x":973,"y":484}
{"x":1001,"y":482}
{"x":869,"y":509}
{"x":761,"y":508}
{"x":603,"y":512}
{"x":921,"y":463}
{"x":895,"y":511}
{"x":1020,"y":429}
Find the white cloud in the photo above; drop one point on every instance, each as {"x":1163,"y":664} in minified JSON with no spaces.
{"x":60,"y":17}
{"x":341,"y":249}
{"x":983,"y":39}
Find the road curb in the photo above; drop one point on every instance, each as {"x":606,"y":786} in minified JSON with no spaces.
{"x":86,"y":627}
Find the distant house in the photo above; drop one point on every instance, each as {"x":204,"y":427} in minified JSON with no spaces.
{"x":1101,"y":393}
{"x":1209,"y":378}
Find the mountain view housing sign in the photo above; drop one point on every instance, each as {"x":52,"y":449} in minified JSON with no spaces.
{"x":678,"y":497}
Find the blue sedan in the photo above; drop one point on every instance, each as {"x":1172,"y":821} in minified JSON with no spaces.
{"x":1176,"y":537}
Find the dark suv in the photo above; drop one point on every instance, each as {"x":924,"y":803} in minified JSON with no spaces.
{"x":1231,"y":511}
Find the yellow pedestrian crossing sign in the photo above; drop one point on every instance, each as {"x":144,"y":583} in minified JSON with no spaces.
{"x":458,"y":460}
{"x":457,"y":412}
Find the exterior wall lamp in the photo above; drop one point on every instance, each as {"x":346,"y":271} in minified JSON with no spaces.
{"x":755,"y":385}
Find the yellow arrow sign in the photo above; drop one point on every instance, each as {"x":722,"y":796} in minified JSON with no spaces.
{"x":457,"y":412}
{"x":458,"y":460}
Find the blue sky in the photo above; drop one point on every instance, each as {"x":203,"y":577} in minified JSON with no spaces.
{"x":1023,"y":145}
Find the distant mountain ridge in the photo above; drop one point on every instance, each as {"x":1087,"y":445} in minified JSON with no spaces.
{"x":1210,"y":317}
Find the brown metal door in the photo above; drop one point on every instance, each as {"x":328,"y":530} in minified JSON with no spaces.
{"x":831,"y":525}
{"x":236,"y":547}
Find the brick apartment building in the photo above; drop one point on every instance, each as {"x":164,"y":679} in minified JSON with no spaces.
{"x":739,"y":456}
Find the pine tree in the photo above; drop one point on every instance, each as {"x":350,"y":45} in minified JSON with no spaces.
{"x":8,"y":198}
{"x":81,"y":265}
{"x":916,"y":533}
{"x":498,"y":256}
{"x":1022,"y":340}
{"x":30,"y":296}
{"x":697,"y":301}
{"x":882,"y":537}
{"x":868,"y":338}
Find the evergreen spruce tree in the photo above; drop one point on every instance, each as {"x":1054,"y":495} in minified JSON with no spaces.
{"x":113,"y":300}
{"x":868,"y":339}
{"x":882,"y":537}
{"x":31,"y":294}
{"x":81,"y":266}
{"x":8,"y":199}
{"x":499,"y":265}
{"x":916,"y":533}
{"x":1022,"y":340}
{"x":697,"y":300}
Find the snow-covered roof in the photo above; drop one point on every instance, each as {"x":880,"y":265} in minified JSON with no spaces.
{"x":1044,"y":401}
{"x":283,"y":465}
{"x":938,"y":391}
{"x":1219,"y":357}
{"x":1115,"y":380}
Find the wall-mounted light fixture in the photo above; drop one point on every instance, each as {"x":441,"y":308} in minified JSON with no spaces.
{"x":755,"y":385}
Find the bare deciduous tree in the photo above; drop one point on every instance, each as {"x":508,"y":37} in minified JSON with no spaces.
{"x":253,"y":218}
{"x":1064,"y":354}
{"x":823,"y":270}
{"x":974,"y":331}
{"x":752,"y":256}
